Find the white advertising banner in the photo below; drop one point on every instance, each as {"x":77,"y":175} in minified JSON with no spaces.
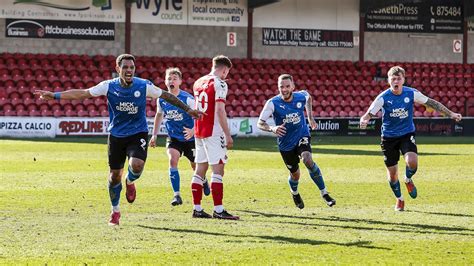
{"x":77,"y":10}
{"x":178,"y":12}
{"x":27,"y":127}
{"x":191,"y":12}
{"x":247,"y":127}
{"x":35,"y":127}
{"x":76,"y":126}
{"x":218,"y":12}
{"x":160,"y":12}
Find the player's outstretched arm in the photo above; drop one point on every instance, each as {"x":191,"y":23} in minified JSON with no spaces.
{"x":178,"y":103}
{"x":66,"y":95}
{"x":443,"y":109}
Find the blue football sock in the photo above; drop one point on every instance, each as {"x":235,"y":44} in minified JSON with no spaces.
{"x":396,"y":188}
{"x":317,"y":177}
{"x":293,"y":184}
{"x":410,"y":172}
{"x":132,"y":176}
{"x":114,"y":192}
{"x":174,"y":178}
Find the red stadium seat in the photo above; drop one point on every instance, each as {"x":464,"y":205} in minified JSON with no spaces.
{"x":9,"y":113}
{"x":104,"y":113}
{"x":35,"y":113}
{"x":70,"y":113}
{"x":243,"y":114}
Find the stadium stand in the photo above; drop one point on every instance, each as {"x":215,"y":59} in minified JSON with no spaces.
{"x":339,"y":88}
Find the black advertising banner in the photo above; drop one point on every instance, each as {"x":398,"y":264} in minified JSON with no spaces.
{"x":331,"y":126}
{"x":423,"y":127}
{"x":58,"y":29}
{"x":438,"y":127}
{"x":436,"y":16}
{"x":307,"y":38}
{"x":372,"y":129}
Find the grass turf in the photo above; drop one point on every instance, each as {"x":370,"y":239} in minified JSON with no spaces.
{"x":54,"y":207}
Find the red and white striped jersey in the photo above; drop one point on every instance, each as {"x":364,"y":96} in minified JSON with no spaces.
{"x":208,"y":90}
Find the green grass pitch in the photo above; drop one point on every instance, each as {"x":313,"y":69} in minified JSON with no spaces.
{"x":54,"y":207}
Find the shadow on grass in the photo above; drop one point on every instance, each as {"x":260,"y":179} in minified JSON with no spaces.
{"x":269,"y":144}
{"x":415,"y":228}
{"x":292,"y":240}
{"x":242,"y":144}
{"x":444,"y":213}
{"x":317,"y":150}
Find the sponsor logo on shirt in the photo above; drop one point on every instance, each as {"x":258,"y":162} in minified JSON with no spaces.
{"x":127,"y":107}
{"x":399,"y":112}
{"x":174,"y":115}
{"x":292,"y":118}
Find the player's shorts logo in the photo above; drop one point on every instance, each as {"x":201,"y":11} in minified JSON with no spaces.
{"x":412,"y":139}
{"x":407,"y":100}
{"x":303,"y":141}
{"x":136,"y":94}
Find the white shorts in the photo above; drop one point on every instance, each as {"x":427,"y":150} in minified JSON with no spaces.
{"x":211,"y":150}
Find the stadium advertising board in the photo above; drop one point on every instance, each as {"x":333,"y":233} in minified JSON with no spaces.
{"x":373,"y":127}
{"x":160,"y":12}
{"x":470,"y":25}
{"x":247,"y":127}
{"x":76,"y":10}
{"x":72,"y":126}
{"x":307,"y":38}
{"x":179,"y":12}
{"x":438,"y":127}
{"x":27,"y":127}
{"x":33,"y":127}
{"x":331,"y":126}
{"x":436,"y":16}
{"x":191,"y":12}
{"x":218,"y":12}
{"x":56,"y":29}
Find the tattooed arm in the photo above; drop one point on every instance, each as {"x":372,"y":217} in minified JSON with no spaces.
{"x":437,"y":106}
{"x":174,"y":101}
{"x":178,"y":103}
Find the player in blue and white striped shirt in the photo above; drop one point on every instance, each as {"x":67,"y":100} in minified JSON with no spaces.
{"x":398,"y":129}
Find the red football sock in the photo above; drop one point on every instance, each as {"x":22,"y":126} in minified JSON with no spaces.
{"x":197,"y":193}
{"x":217,"y":193}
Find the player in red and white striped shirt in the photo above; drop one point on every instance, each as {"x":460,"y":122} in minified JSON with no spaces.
{"x":212,"y":136}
